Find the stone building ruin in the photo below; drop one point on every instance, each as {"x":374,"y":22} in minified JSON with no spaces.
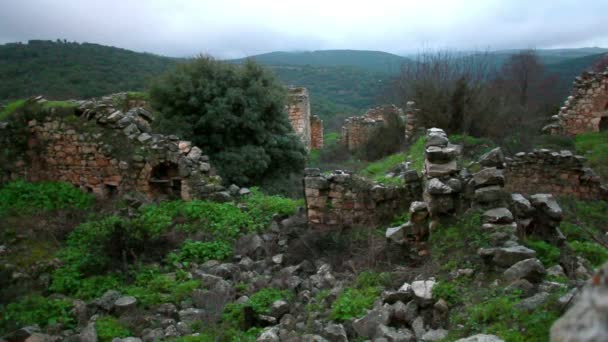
{"x":308,"y":127}
{"x":357,"y":130}
{"x":586,"y":109}
{"x":105,"y":146}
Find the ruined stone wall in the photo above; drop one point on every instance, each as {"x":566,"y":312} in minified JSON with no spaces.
{"x":586,"y":109}
{"x":357,"y":130}
{"x":342,"y":200}
{"x":109,"y":152}
{"x":298,"y":108}
{"x":558,"y":173}
{"x":316,"y":133}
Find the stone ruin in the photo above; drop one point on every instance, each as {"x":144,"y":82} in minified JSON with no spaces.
{"x":586,"y":109}
{"x":357,"y":130}
{"x":308,"y":127}
{"x":106,"y":146}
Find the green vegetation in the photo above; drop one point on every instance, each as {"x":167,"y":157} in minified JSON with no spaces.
{"x":591,"y":251}
{"x":447,"y":291}
{"x":109,"y":328}
{"x":21,"y":197}
{"x":10,"y":109}
{"x":546,"y":252}
{"x":451,"y":244}
{"x":152,"y":287}
{"x":235,"y":113}
{"x":36,"y":310}
{"x":71,"y":70}
{"x":355,"y":300}
{"x":260,"y":302}
{"x":198,"y":251}
{"x":499,"y":314}
{"x":594,"y":146}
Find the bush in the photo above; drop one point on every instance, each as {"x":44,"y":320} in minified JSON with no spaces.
{"x":10,"y":109}
{"x":452,"y":244}
{"x":25,"y":198}
{"x":236,"y":113}
{"x":36,"y":310}
{"x":198,"y":251}
{"x":546,"y":252}
{"x":448,"y":292}
{"x":109,"y":328}
{"x":260,"y":302}
{"x":152,"y":287}
{"x":261,"y":208}
{"x":356,"y":300}
{"x":591,"y":251}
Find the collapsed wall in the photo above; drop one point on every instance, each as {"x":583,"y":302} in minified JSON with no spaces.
{"x":586,"y":109}
{"x":105,"y":146}
{"x":308,"y":127}
{"x":357,"y":130}
{"x":559,"y":173}
{"x":342,"y":200}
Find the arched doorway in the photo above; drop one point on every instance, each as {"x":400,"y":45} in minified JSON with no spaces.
{"x":604,"y":124}
{"x":165,"y":181}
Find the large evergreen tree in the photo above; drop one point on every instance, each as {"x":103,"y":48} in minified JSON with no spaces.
{"x":235,"y":113}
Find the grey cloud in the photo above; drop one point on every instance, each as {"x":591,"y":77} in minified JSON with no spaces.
{"x":232,"y":28}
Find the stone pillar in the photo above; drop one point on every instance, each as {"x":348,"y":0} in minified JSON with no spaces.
{"x":298,"y":109}
{"x":411,"y":122}
{"x":316,"y":132}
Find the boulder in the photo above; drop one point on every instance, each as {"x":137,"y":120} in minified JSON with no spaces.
{"x":405,"y":313}
{"x":438,"y":154}
{"x":335,"y":333}
{"x":529,"y":269}
{"x":532,"y":303}
{"x":506,"y":256}
{"x":124,"y":304}
{"x":497,"y":215}
{"x":436,"y":137}
{"x":489,"y":176}
{"x":279,"y":308}
{"x":481,"y":338}
{"x":391,"y":334}
{"x":395,"y":234}
{"x":251,"y":245}
{"x":423,"y":291}
{"x":437,"y":187}
{"x":107,"y":300}
{"x":489,"y":194}
{"x":366,"y":326}
{"x":493,"y":158}
{"x":270,"y":334}
{"x":587,"y":319}
{"x":521,"y":206}
{"x":435,"y":335}
{"x":440,"y":170}
{"x":88,"y":334}
{"x":403,"y":294}
{"x":547,"y":204}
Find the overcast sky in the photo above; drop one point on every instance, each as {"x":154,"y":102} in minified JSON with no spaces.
{"x":236,"y":28}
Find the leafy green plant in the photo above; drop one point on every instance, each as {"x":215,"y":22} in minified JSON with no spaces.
{"x":591,"y":251}
{"x":260,"y":302}
{"x":355,"y":300}
{"x":261,"y":207}
{"x":198,"y":251}
{"x":36,"y":310}
{"x":448,"y":292}
{"x":109,"y":328}
{"x":452,"y":242}
{"x":11,"y":108}
{"x":595,"y":147}
{"x":152,"y":287}
{"x":24,"y":197}
{"x":546,"y":252}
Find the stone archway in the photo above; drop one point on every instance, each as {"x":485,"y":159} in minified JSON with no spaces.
{"x":603,"y":127}
{"x":165,"y":181}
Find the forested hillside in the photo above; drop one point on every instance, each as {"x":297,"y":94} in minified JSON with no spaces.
{"x":61,"y":70}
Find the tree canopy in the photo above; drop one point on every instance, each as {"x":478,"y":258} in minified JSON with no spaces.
{"x":235,"y":113}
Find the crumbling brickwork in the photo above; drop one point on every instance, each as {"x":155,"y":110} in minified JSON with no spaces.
{"x":109,"y":152}
{"x":586,"y":109}
{"x":558,"y":173}
{"x":316,"y":133}
{"x":357,"y":130}
{"x":341,"y":200}
{"x":308,"y":127}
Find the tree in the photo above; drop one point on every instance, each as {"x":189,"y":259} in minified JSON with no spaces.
{"x":235,"y":113}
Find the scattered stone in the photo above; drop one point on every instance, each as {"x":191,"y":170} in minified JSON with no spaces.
{"x":435,"y":335}
{"x":391,"y":334}
{"x":493,"y":158}
{"x":279,"y":308}
{"x":506,"y":256}
{"x":270,"y":334}
{"x":423,"y":291}
{"x":529,"y":269}
{"x":489,"y":176}
{"x":497,"y":215}
{"x":481,"y":338}
{"x":107,"y":300}
{"x":366,"y":325}
{"x":548,"y":205}
{"x":532,"y":303}
{"x":395,"y":234}
{"x":124,"y":304}
{"x":521,"y":206}
{"x":335,"y":332}
{"x":556,"y":271}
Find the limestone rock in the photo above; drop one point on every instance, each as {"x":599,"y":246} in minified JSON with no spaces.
{"x":391,"y":334}
{"x":436,"y":137}
{"x":521,"y":206}
{"x":439,"y":170}
{"x":423,"y":291}
{"x":395,"y":234}
{"x":437,"y":187}
{"x":335,"y":333}
{"x":494,"y":158}
{"x":405,"y":313}
{"x":437,"y":154}
{"x":506,"y":256}
{"x":366,"y":325}
{"x":489,"y":194}
{"x":481,"y":338}
{"x":497,"y":215}
{"x":529,"y":269}
{"x":548,"y":205}
{"x":489,"y":176}
{"x":435,"y":335}
{"x":124,"y":304}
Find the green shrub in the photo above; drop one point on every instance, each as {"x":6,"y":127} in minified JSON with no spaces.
{"x":353,"y":302}
{"x":198,"y":251}
{"x":235,"y":113}
{"x":109,"y":328}
{"x":36,"y":310}
{"x":152,"y":287}
{"x":260,"y":302}
{"x":448,"y":292}
{"x":546,"y":252}
{"x":11,"y":108}
{"x":595,"y":147}
{"x":24,"y":198}
{"x":261,"y":208}
{"x":591,"y":251}
{"x":453,"y":243}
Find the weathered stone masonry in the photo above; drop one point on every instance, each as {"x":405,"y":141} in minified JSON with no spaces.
{"x":559,"y":173}
{"x":586,"y":110}
{"x":308,"y":127}
{"x":109,"y":151}
{"x":342,"y":200}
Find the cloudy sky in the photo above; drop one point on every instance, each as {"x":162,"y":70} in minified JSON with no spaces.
{"x":235,"y":28}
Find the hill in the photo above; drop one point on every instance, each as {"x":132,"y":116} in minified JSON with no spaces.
{"x":60,"y":70}
{"x":570,"y":69}
{"x":377,"y":61}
